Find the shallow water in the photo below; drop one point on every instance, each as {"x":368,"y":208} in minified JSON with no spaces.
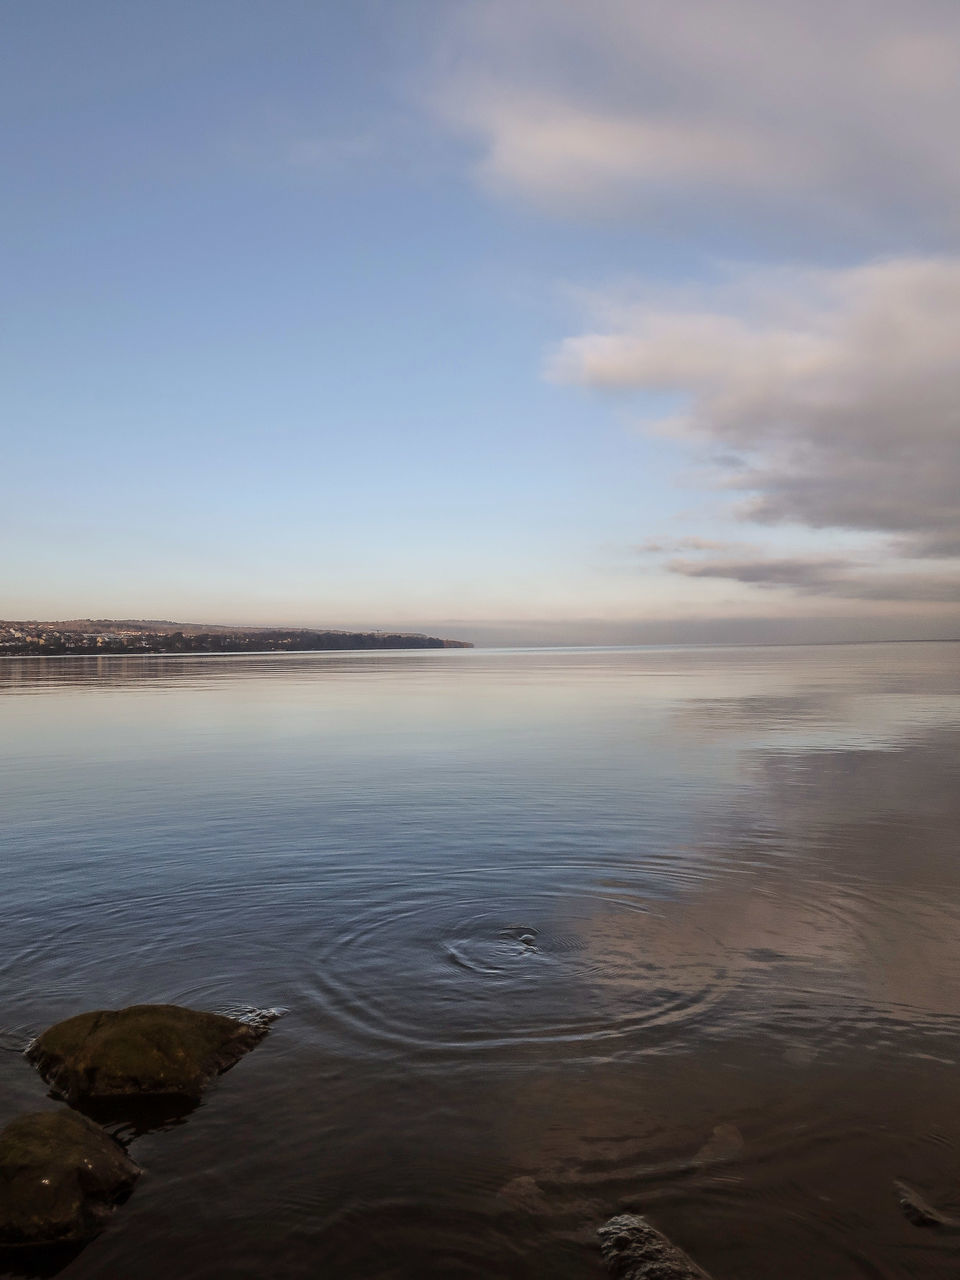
{"x":544,"y":921}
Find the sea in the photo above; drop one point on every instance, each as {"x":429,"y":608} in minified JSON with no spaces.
{"x":555,"y":933}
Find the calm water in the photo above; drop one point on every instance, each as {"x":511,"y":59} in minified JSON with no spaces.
{"x":543,"y":921}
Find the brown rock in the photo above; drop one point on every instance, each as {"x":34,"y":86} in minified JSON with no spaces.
{"x":725,"y":1143}
{"x":921,"y":1212}
{"x":147,"y":1050}
{"x":633,"y":1250}
{"x":523,"y":1194}
{"x":61,"y":1176}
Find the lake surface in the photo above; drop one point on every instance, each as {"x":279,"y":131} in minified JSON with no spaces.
{"x":547,"y":923}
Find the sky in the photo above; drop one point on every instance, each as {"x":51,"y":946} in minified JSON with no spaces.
{"x":519,"y":321}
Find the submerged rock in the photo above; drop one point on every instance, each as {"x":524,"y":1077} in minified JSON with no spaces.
{"x":61,"y":1176}
{"x":921,"y":1212}
{"x":252,"y":1015}
{"x":523,"y":1195}
{"x":633,"y":1250}
{"x":147,"y":1050}
{"x":725,"y":1143}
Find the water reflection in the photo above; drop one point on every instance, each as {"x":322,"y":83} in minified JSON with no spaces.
{"x":549,"y":925}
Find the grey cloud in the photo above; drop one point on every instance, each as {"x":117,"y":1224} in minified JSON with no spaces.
{"x":828,"y":399}
{"x":828,"y":102}
{"x":945,"y":546}
{"x":670,"y":546}
{"x":793,"y":572}
{"x":840,"y":395}
{"x":828,"y":576}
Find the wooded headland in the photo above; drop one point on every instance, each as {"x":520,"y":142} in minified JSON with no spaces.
{"x":105,"y":635}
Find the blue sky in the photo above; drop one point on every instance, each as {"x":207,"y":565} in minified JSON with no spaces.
{"x":520,"y":321}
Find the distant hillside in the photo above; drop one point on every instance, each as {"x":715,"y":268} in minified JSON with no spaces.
{"x":125,"y":635}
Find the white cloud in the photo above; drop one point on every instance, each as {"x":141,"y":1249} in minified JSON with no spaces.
{"x":646,"y":103}
{"x":545,"y":146}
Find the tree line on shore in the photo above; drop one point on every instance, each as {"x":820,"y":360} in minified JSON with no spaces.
{"x":48,"y":642}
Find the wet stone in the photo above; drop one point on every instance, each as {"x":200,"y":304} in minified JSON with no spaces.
{"x":725,"y":1143}
{"x":523,"y":1195}
{"x":146,"y":1050}
{"x":633,"y":1250}
{"x":61,"y":1177}
{"x":921,"y":1212}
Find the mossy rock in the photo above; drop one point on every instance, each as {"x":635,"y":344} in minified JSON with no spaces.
{"x":61,"y":1176}
{"x":147,"y":1050}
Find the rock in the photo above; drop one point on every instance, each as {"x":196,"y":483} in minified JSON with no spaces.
{"x":147,"y":1050}
{"x":61,"y":1176}
{"x":633,"y":1250}
{"x":524,"y":1195}
{"x":251,"y":1015}
{"x":920,"y":1212}
{"x":725,"y":1143}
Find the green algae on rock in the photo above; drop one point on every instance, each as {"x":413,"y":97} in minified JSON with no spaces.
{"x":61,"y":1176}
{"x":146,"y":1050}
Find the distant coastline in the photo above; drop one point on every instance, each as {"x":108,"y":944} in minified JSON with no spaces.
{"x":92,"y":636}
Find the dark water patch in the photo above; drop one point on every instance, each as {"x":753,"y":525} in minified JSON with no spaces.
{"x":37,"y":1263}
{"x":130,"y":1117}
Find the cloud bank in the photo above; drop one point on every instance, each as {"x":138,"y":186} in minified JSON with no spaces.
{"x":817,"y":399}
{"x":828,"y":576}
{"x":840,"y":412}
{"x":634,"y":105}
